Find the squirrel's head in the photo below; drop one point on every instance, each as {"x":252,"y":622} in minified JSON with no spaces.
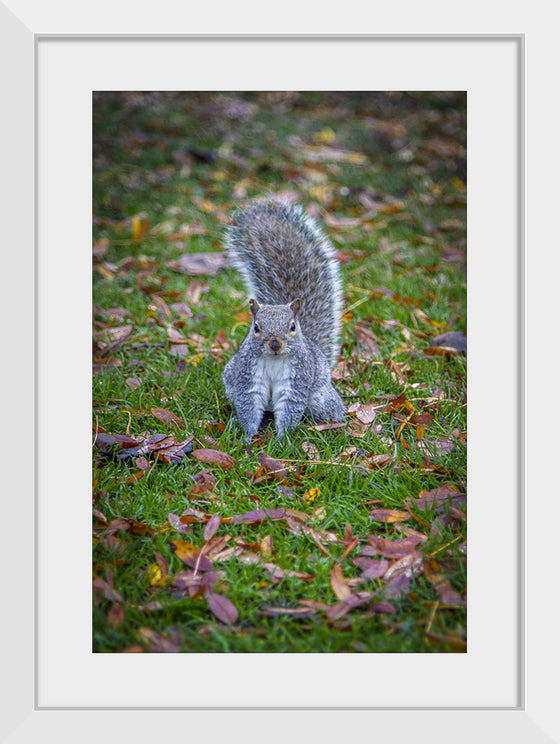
{"x":275,"y":327}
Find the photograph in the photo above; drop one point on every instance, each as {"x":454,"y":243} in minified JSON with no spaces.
{"x":279,"y":387}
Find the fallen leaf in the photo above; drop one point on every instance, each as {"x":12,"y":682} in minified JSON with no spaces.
{"x":394,"y":548}
{"x":273,"y":466}
{"x":115,"y":616}
{"x":165,"y":643}
{"x":389,"y":515}
{"x":222,"y":607}
{"x":165,"y":416}
{"x":339,"y":584}
{"x":199,"y":264}
{"x":214,"y":457}
{"x":440,"y":498}
{"x":364,"y":412}
{"x":375,"y":568}
{"x":259,"y":515}
{"x":106,"y":590}
{"x":335,"y":612}
{"x":376,"y":461}
{"x":277,"y":574}
{"x":177,"y":524}
{"x":266,"y":545}
{"x":212,"y":526}
{"x":190,"y":554}
{"x":366,"y":338}
{"x":182,"y":309}
{"x":176,"y":337}
{"x":311,"y":495}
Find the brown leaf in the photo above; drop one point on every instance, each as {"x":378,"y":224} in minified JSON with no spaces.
{"x":203,"y":484}
{"x":442,"y":498}
{"x":389,"y":515}
{"x":182,"y":309}
{"x":339,"y":584}
{"x":451,"y":639}
{"x":277,"y":574}
{"x":176,"y":522}
{"x":161,"y":643}
{"x":266,"y":545}
{"x":161,"y":305}
{"x":365,"y":412}
{"x":276,"y":467}
{"x":199,"y":264}
{"x":394,"y":548}
{"x":141,"y":463}
{"x":214,"y":457}
{"x":118,"y":334}
{"x":367,"y":339}
{"x":373,"y":462}
{"x":106,"y":590}
{"x":222,"y":607}
{"x":115,"y":615}
{"x":212,"y":526}
{"x":191,"y":555}
{"x":165,"y":416}
{"x":409,"y":565}
{"x":176,"y":337}
{"x":334,"y":612}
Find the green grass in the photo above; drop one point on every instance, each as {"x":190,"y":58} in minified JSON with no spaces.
{"x":187,"y":160}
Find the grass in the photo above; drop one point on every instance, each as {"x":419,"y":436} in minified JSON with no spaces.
{"x":181,"y":162}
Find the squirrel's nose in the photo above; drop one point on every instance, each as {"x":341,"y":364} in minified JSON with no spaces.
{"x":274,"y":344}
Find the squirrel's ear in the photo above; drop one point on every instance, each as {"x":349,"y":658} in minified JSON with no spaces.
{"x":295,"y":306}
{"x":255,"y":307}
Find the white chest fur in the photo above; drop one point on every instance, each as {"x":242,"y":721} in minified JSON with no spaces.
{"x":271,"y":379}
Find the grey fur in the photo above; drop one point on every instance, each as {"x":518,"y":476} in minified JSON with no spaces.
{"x":292,"y":275}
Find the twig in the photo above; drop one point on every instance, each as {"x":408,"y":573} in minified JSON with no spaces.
{"x":96,"y":430}
{"x":217,"y":405}
{"x":432,"y":615}
{"x":445,"y":546}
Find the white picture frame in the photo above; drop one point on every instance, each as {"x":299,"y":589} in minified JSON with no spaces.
{"x":530,"y":717}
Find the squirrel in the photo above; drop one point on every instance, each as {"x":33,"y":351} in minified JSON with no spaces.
{"x":293,"y":278}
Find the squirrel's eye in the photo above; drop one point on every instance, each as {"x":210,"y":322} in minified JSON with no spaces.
{"x":292,"y":326}
{"x":256,"y":328}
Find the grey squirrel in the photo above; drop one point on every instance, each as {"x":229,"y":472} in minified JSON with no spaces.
{"x":293,"y":278}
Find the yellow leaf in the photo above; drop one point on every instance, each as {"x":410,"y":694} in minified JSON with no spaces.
{"x":140,"y":225}
{"x":325,"y":136}
{"x":155,"y":576}
{"x":185,"y":550}
{"x":311,"y":495}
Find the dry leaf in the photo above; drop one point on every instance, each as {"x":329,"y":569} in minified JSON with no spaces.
{"x":212,"y":526}
{"x":389,"y":515}
{"x":214,"y":457}
{"x":339,"y":584}
{"x":165,"y":416}
{"x":222,"y":607}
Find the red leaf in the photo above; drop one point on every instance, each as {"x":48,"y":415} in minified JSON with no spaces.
{"x":214,"y":457}
{"x":212,"y":526}
{"x":394,"y":548}
{"x":259,"y":515}
{"x":162,"y":414}
{"x":222,"y":607}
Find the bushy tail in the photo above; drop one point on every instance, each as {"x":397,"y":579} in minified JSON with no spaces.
{"x":282,"y":254}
